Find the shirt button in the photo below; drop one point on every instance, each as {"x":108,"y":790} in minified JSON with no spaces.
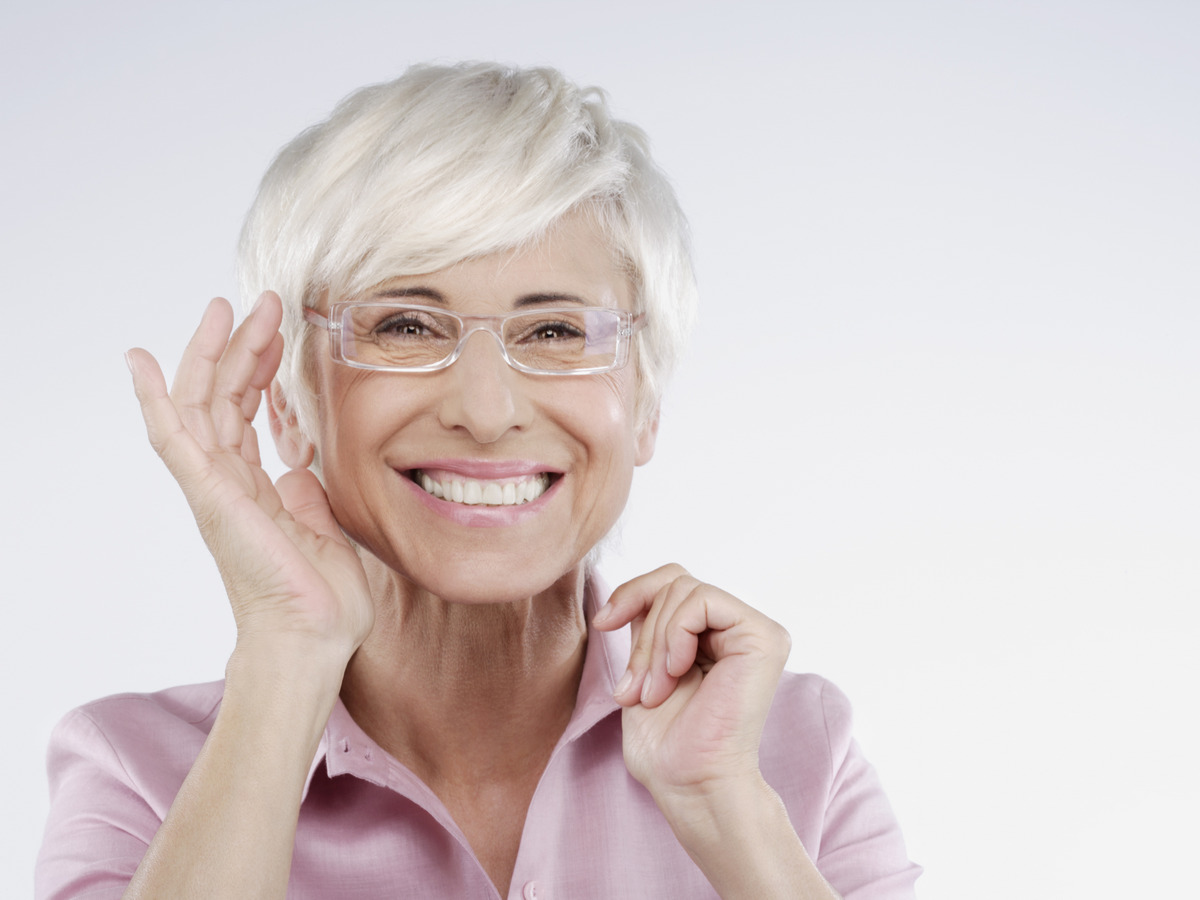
{"x":530,"y":891}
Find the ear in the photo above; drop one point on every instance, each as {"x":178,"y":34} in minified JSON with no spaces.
{"x":295,"y":449}
{"x":644,"y":441}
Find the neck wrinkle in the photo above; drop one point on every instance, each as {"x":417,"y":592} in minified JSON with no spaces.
{"x":460,"y":693}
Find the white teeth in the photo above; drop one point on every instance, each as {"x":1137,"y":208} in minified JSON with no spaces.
{"x":485,"y":493}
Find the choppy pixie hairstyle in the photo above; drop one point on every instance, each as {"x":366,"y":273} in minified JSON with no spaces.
{"x":451,"y":162}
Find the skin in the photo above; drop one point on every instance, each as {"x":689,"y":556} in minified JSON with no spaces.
{"x":429,"y":657}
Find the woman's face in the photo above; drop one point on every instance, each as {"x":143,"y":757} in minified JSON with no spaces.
{"x":381,"y":434}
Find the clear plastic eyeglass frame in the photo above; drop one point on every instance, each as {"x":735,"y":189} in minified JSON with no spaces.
{"x":336,"y":322}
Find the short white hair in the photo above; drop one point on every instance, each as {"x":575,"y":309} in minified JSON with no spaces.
{"x":451,"y":162}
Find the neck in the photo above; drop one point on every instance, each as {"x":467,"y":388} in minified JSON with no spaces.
{"x":467,"y":692}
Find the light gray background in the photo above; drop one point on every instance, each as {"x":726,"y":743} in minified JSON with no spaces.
{"x":939,"y":418}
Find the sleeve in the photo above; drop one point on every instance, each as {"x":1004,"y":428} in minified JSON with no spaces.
{"x":861,"y":852}
{"x":99,"y":824}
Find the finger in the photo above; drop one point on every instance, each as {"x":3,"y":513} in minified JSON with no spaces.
{"x":632,"y":684}
{"x":635,"y":630}
{"x":702,"y":629}
{"x":741,"y":642}
{"x":245,"y":368}
{"x":268,"y":365}
{"x":305,"y":500}
{"x":649,"y":681}
{"x":736,"y":628}
{"x":249,"y":445}
{"x":681,"y":633}
{"x":661,"y":672}
{"x":635,"y":597}
{"x":633,"y":603}
{"x":192,"y":389}
{"x":171,"y":440}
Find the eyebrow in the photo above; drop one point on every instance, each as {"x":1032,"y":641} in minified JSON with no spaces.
{"x":549,"y":297}
{"x":420,"y":291}
{"x":427,"y":293}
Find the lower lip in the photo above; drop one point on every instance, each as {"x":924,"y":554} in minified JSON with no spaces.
{"x":483,"y":516}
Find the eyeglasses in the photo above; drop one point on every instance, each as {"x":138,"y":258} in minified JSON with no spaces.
{"x":397,"y":337}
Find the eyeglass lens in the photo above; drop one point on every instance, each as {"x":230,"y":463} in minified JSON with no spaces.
{"x":387,"y":335}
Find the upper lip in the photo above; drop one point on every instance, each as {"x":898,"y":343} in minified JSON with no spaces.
{"x":485,"y":469}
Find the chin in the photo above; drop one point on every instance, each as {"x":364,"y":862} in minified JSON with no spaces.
{"x":485,"y":579}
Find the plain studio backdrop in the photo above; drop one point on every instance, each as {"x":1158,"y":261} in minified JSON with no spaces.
{"x":940,"y":415}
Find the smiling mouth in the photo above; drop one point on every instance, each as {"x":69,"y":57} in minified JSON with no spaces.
{"x":476,"y":492}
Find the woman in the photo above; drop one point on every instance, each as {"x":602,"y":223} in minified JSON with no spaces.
{"x":471,"y":285}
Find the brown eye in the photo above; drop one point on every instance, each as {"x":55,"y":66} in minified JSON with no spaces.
{"x":404,"y":325}
{"x":553,"y":331}
{"x":550,"y":332}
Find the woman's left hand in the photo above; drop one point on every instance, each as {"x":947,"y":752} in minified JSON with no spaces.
{"x":701,"y":678}
{"x":702,"y":674}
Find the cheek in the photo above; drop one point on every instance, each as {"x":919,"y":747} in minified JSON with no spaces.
{"x":605,"y":412}
{"x":349,"y":429}
{"x":350,"y":400}
{"x":602,"y":421}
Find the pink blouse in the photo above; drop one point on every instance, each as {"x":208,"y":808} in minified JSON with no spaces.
{"x":369,"y":828}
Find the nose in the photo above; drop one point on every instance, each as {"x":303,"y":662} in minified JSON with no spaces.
{"x":483,"y":393}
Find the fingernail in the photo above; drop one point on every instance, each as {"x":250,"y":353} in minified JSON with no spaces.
{"x":257,"y":303}
{"x":646,"y":688}
{"x":128,"y":361}
{"x":602,"y":614}
{"x":623,"y":684}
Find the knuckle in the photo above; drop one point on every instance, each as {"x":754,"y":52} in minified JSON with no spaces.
{"x":783,"y":636}
{"x":673,"y":570}
{"x":780,"y":637}
{"x":683,"y":586}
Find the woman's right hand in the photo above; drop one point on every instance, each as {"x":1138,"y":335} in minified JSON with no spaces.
{"x":300,"y":598}
{"x":289,"y":570}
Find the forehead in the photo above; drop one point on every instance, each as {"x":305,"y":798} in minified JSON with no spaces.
{"x":573,"y":262}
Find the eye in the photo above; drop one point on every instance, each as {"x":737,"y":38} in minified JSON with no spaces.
{"x":552,"y":330}
{"x":408,"y":324}
{"x":556,"y":330}
{"x":401,"y":325}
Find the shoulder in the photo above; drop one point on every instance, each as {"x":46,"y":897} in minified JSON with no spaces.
{"x":809,"y":713}
{"x":189,"y":703}
{"x":808,"y":692}
{"x":805,"y":743}
{"x":115,"y":766}
{"x":185,"y":709}
{"x":833,"y":795}
{"x":148,"y":741}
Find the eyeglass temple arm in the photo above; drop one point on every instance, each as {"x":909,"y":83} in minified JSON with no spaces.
{"x":315,"y":318}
